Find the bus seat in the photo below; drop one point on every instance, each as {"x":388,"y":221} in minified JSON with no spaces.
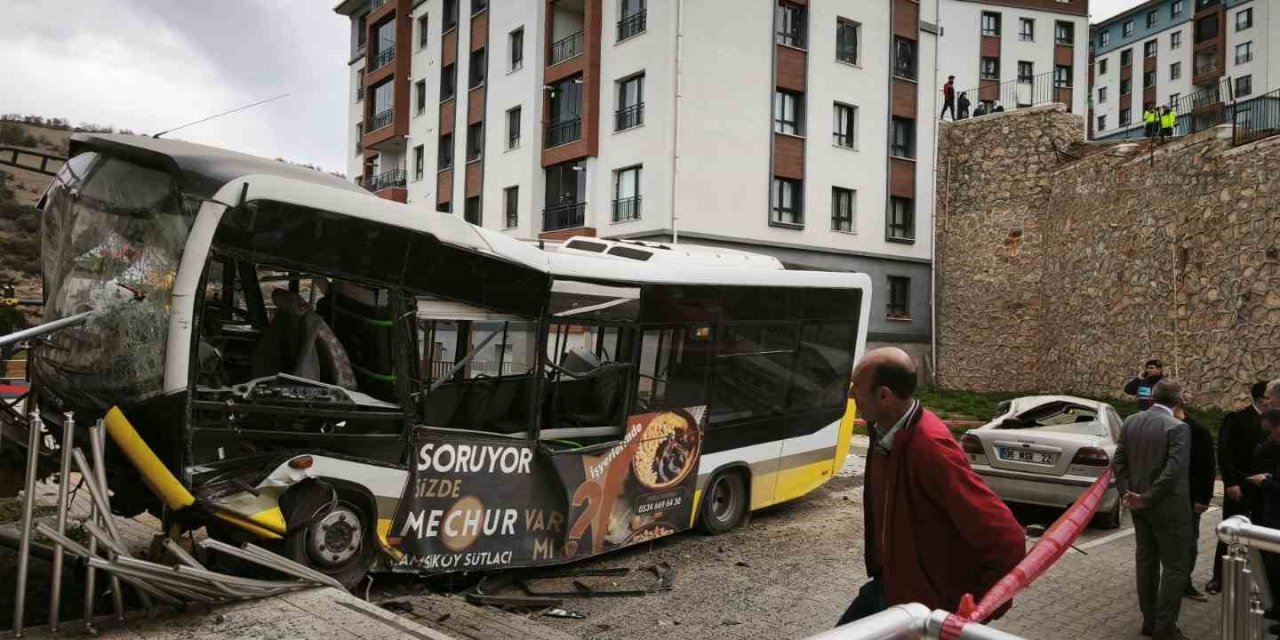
{"x":600,"y":406}
{"x":299,"y":342}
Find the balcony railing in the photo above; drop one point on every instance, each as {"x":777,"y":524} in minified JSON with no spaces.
{"x":380,"y":120}
{"x":375,"y":4}
{"x":383,"y":58}
{"x":1016,"y":94}
{"x":566,"y":48}
{"x":563,"y":132}
{"x":626,"y":209}
{"x":1256,"y":119}
{"x":1207,"y":66}
{"x":564,"y":217}
{"x":627,"y":117}
{"x":631,"y":25}
{"x":386,"y":180}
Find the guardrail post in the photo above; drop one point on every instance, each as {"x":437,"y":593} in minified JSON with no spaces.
{"x":1233,"y":594}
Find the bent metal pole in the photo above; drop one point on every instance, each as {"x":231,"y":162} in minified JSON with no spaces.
{"x":28,"y":501}
{"x":64,"y":481}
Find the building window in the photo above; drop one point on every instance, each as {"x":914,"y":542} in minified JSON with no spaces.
{"x":899,"y":306}
{"x":1026,"y":71}
{"x":1126,"y":116}
{"x":419,"y":161}
{"x":630,"y":111}
{"x":476,"y":70}
{"x":1126,"y":87}
{"x":1244,"y":86}
{"x":1102,"y":123}
{"x":362,"y":26}
{"x":479,"y":5}
{"x":902,"y":138}
{"x":420,"y":97}
{"x":1104,"y":39}
{"x":445,"y":207}
{"x":848,"y":35}
{"x":1102,"y":95}
{"x":471,"y":210}
{"x":359,"y":134}
{"x":1102,"y":67}
{"x":450,"y":16}
{"x":511,"y":206}
{"x":844,"y":125}
{"x":990,"y":23}
{"x":904,"y":58}
{"x":1207,"y":28}
{"x":513,"y":127}
{"x":788,"y":202}
{"x":1149,"y":48}
{"x":633,"y":20}
{"x":1244,"y":52}
{"x":902,"y":219}
{"x":1173,"y":99}
{"x":1126,"y":57}
{"x":1175,"y":40}
{"x":1148,"y":79}
{"x":384,"y":44}
{"x":991,"y":68}
{"x":788,"y":112}
{"x":422,"y":31}
{"x":475,"y":141}
{"x":1175,"y":9}
{"x":1127,"y":29}
{"x":1244,"y":19}
{"x":380,"y":112}
{"x":1175,"y":71}
{"x":1064,"y":32}
{"x":1151,"y":19}
{"x":448,"y":82}
{"x":842,"y":210}
{"x":515,"y":44}
{"x":626,"y":194}
{"x":359,"y":85}
{"x":1026,"y":29}
{"x":444,"y":155}
{"x":1062,"y":76}
{"x":790,"y":19}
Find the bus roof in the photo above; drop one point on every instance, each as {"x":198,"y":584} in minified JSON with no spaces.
{"x":204,"y":171}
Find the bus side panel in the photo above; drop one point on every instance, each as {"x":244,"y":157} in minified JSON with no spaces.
{"x":807,"y":456}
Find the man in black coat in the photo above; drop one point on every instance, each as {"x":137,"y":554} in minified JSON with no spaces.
{"x":1202,"y":474}
{"x":1141,"y":386}
{"x":1239,"y":436}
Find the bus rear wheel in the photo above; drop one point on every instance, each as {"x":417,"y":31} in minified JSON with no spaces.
{"x":338,"y":543}
{"x":724,"y":503}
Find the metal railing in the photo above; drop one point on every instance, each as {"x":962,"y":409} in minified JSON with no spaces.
{"x":386,"y":180}
{"x":383,"y":58}
{"x":909,"y":622}
{"x":625,"y":209}
{"x":375,"y":4}
{"x":380,"y":120}
{"x":1245,"y":592}
{"x":563,"y":132}
{"x":1256,"y":119}
{"x":566,"y":48}
{"x":564,"y":217}
{"x":627,"y":117}
{"x":631,"y":25}
{"x":1021,"y":93}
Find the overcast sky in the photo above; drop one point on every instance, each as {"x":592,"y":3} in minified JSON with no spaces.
{"x":151,"y":65}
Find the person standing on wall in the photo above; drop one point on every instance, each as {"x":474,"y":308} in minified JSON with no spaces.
{"x":1202,"y":474}
{"x":933,"y":529}
{"x":1152,"y":464}
{"x":949,"y":98}
{"x":1168,"y":120}
{"x":1141,"y":386}
{"x":963,"y":105}
{"x":1238,"y":437}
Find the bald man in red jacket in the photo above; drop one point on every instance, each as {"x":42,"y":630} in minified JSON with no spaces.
{"x":934,"y":530}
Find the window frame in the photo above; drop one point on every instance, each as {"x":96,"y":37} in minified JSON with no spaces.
{"x":1151,"y":48}
{"x":477,"y":74}
{"x":514,"y":133}
{"x":844,"y":115}
{"x":1064,"y":26}
{"x":786,"y":186}
{"x":1175,"y":40}
{"x":1025,"y":34}
{"x":515,"y":49}
{"x":905,"y":150}
{"x":843,"y":24}
{"x":1058,"y":81}
{"x":1126,"y":29}
{"x":1126,"y":116}
{"x":910,"y":71}
{"x":781,"y":99}
{"x":1247,"y":81}
{"x":843,"y":221}
{"x":1102,"y":122}
{"x":635,"y":173}
{"x":791,"y":35}
{"x":511,"y":207}
{"x":1247,"y":11}
{"x":449,"y":80}
{"x":444,"y":152}
{"x":898,"y":306}
{"x":989,"y":23}
{"x":420,"y":100}
{"x":419,"y":162}
{"x":993,"y":63}
{"x":1247,"y":49}
{"x":629,"y":113}
{"x":423,"y":24}
{"x":906,"y":228}
{"x":475,"y":142}
{"x":1029,"y":75}
{"x":1175,"y":70}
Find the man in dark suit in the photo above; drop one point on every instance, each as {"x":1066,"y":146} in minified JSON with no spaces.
{"x":1202,"y":474}
{"x":1152,"y":464}
{"x":1239,"y":436}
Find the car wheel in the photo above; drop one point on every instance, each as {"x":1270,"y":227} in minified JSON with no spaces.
{"x":338,"y":543}
{"x":724,"y":502}
{"x":1109,"y":519}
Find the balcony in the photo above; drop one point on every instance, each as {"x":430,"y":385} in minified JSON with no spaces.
{"x":380,"y":120}
{"x":566,"y":48}
{"x":383,"y":58}
{"x":563,"y":132}
{"x":386,"y":180}
{"x":632,"y":25}
{"x":564,"y":217}
{"x":628,"y":117}
{"x":626,"y":209}
{"x":374,"y":5}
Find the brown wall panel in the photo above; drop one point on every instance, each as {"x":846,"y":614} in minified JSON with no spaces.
{"x":990,"y":47}
{"x":395,"y":194}
{"x":906,"y":19}
{"x":475,"y":105}
{"x":448,"y":116}
{"x":565,"y":234}
{"x":444,"y":186}
{"x":905,"y":96}
{"x":902,"y":178}
{"x":1064,"y":96}
{"x":449,"y":48}
{"x":791,"y":69}
{"x":1064,"y":54}
{"x":475,"y":178}
{"x":565,"y":152}
{"x":988,"y":90}
{"x":588,"y":65}
{"x":788,"y":156}
{"x":480,"y":30}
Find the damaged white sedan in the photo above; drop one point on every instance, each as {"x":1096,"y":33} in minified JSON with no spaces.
{"x":1046,"y":450}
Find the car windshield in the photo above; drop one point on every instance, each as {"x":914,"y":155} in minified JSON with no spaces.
{"x":1058,"y":418}
{"x":112,"y":237}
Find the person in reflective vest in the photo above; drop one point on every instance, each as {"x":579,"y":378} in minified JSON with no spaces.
{"x":1168,"y":120}
{"x":1149,"y":117}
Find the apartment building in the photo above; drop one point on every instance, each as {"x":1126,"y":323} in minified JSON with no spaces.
{"x":801,"y":129}
{"x":1018,"y":52}
{"x":1164,"y":51}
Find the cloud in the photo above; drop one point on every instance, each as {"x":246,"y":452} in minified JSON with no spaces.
{"x":151,"y":65}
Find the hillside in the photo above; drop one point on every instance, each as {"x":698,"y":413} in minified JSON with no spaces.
{"x":19,"y":220}
{"x":27,"y":186}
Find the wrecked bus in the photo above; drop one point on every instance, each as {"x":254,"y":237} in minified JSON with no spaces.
{"x":283,"y":357}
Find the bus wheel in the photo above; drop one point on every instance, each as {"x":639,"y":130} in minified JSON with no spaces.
{"x":339,"y":543}
{"x":724,"y":503}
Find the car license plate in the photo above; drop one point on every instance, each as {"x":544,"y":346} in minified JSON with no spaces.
{"x":1018,"y":455}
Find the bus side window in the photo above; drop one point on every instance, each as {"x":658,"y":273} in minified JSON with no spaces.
{"x":824,"y":363}
{"x":753,"y":370}
{"x":674,"y":364}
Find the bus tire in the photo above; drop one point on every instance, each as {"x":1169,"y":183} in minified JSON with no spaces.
{"x":724,"y":502}
{"x":340,"y":543}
